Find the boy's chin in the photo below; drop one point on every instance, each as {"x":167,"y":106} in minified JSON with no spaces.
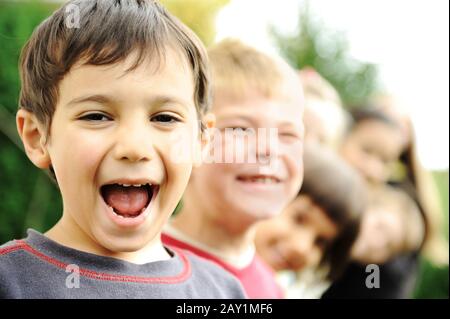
{"x":250,"y":217}
{"x":126,"y":248}
{"x":261,"y":212}
{"x":124,"y":244}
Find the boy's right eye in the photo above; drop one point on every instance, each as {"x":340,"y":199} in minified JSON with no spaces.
{"x":95,"y":117}
{"x":241,"y":128}
{"x":300,"y":217}
{"x":235,"y":127}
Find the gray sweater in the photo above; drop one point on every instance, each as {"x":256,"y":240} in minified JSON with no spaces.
{"x":38,"y":267}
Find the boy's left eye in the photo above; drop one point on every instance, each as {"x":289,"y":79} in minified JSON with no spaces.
{"x":95,"y":117}
{"x":322,"y":242}
{"x":165,"y":118}
{"x":289,"y":135}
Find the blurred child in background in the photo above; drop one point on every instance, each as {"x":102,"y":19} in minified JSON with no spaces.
{"x":391,"y":225}
{"x":411,"y":176}
{"x":373,"y":144}
{"x":310,"y":242}
{"x":394,"y":225}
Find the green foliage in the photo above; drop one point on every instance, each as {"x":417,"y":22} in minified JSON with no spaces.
{"x":28,"y":197}
{"x":199,"y":15}
{"x":441,"y":180}
{"x":327,"y":51}
{"x":432,"y":282}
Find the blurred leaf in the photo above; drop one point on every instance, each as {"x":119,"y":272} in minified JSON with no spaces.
{"x":199,"y":15}
{"x":29,"y":198}
{"x":432,"y":282}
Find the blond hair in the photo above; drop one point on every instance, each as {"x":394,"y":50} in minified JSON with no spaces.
{"x":331,"y":114}
{"x":315,"y":86}
{"x":238,"y":69}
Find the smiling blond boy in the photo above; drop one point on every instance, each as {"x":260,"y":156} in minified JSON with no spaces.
{"x":255,"y":173}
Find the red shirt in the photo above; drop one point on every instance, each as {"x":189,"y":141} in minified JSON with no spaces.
{"x":258,"y":279}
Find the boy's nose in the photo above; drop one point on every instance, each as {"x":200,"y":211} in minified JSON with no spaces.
{"x":302,"y":243}
{"x":267,"y":144}
{"x":133,"y":145}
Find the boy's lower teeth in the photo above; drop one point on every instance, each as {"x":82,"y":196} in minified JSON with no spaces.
{"x":125,"y":215}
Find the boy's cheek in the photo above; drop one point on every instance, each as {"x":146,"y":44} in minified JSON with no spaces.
{"x":179,"y":147}
{"x":294,"y":154}
{"x":236,"y":149}
{"x":77,"y":155}
{"x":88,"y":150}
{"x":178,"y":156}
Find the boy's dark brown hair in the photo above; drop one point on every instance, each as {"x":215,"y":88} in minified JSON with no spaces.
{"x":107,"y":32}
{"x":340,"y":192}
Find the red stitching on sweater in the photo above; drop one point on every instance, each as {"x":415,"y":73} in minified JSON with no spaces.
{"x":6,"y":250}
{"x":104,"y":276}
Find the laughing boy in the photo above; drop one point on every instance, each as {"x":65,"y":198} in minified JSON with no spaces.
{"x":100,"y":103}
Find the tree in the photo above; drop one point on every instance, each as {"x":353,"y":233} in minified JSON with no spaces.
{"x":327,"y":51}
{"x":199,"y":15}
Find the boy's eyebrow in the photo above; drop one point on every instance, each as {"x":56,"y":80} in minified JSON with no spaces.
{"x":105,"y":99}
{"x":251,"y":120}
{"x":292,"y":125}
{"x":231,"y":116}
{"x":163,"y":99}
{"x":99,"y":98}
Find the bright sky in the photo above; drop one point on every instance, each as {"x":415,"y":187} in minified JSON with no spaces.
{"x":408,"y":39}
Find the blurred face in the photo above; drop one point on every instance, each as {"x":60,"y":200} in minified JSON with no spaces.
{"x":380,"y":237}
{"x":314,"y":129}
{"x":111,"y":144}
{"x":371,"y":148}
{"x":323,"y":122}
{"x":297,"y":238}
{"x":265,"y":170}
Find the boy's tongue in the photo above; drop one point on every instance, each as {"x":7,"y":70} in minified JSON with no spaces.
{"x":125,"y":200}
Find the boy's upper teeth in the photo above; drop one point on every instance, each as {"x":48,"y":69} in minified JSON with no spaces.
{"x":134,"y":185}
{"x":261,"y":179}
{"x":264,"y":179}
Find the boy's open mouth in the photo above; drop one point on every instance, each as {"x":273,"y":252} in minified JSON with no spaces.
{"x":128,"y":201}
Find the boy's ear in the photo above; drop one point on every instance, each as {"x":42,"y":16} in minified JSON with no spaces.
{"x":33,"y":136}
{"x":209,"y":122}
